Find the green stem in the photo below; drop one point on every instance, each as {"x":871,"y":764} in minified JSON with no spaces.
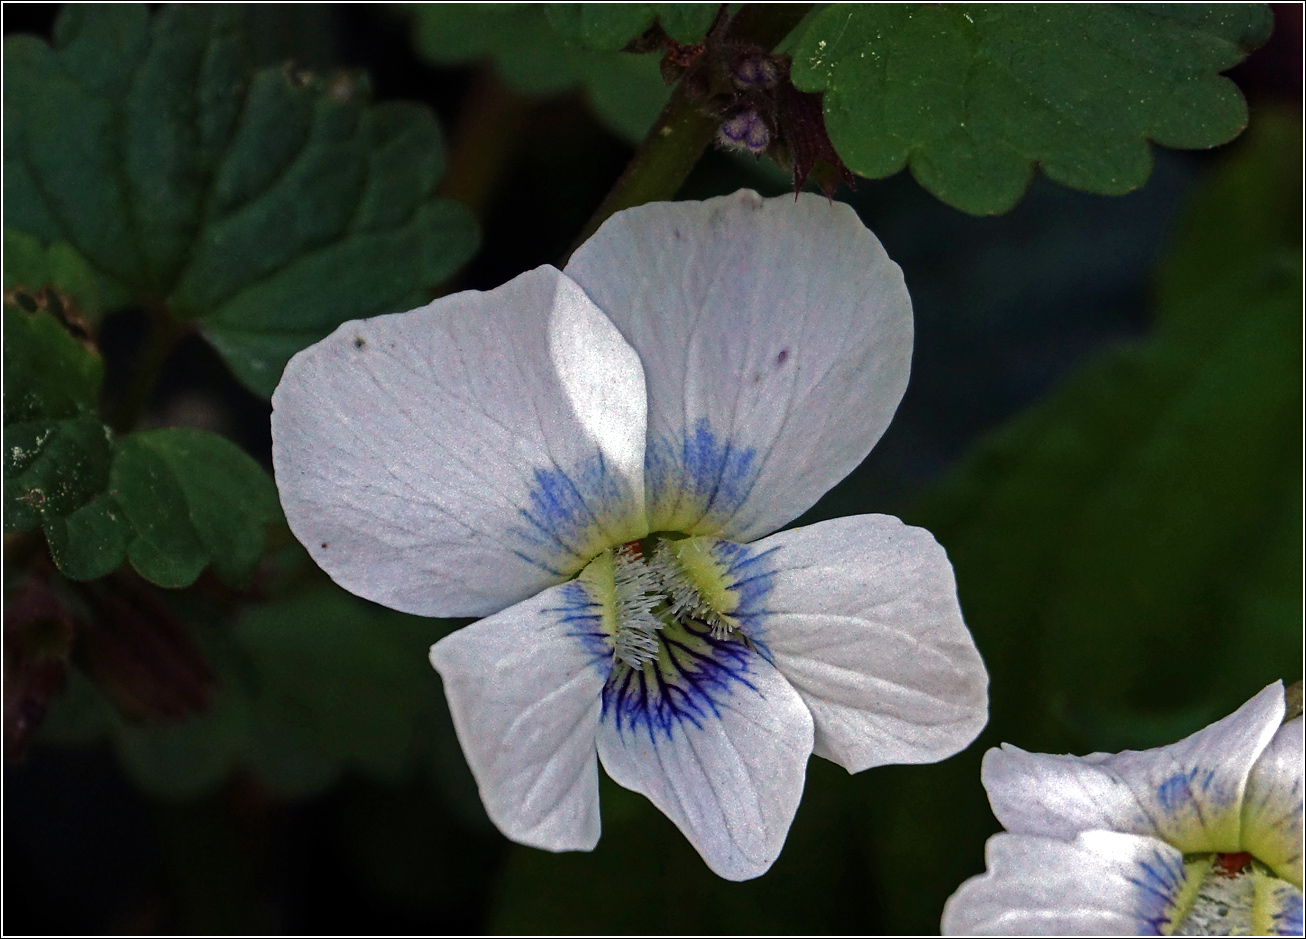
{"x":164,"y":333}
{"x":683,"y":131}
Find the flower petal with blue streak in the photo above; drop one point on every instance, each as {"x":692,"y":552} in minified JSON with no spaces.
{"x":459,"y":458}
{"x":1189,"y":794}
{"x":1101,"y":883}
{"x":1282,"y":906}
{"x":776,"y":337}
{"x":716,"y":738}
{"x":524,"y":689}
{"x":698,"y":481}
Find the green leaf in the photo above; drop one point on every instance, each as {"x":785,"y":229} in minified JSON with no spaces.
{"x":30,"y":266}
{"x":972,"y":97}
{"x":341,"y":682}
{"x":90,"y":542}
{"x":57,"y":452}
{"x":192,"y":499}
{"x":53,"y":468}
{"x":531,"y":57}
{"x":1248,"y":196}
{"x":173,"y":501}
{"x":309,"y":686}
{"x":48,"y":373}
{"x":184,"y":176}
{"x":609,"y":27}
{"x":1128,"y":553}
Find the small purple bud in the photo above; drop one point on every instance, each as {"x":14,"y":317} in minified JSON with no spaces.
{"x":745,"y":130}
{"x":757,"y":71}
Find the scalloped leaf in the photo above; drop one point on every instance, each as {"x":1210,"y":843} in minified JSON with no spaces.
{"x":174,"y":500}
{"x":609,"y":27}
{"x":268,"y":204}
{"x":973,"y":97}
{"x":531,"y":57}
{"x":192,"y":500}
{"x":57,"y":451}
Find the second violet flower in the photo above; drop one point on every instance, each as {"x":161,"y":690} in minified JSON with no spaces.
{"x":595,"y":460}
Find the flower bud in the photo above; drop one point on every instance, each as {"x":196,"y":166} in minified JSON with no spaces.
{"x":745,"y":130}
{"x":755,"y":71}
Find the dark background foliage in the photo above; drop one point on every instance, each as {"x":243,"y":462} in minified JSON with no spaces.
{"x":1103,"y":427}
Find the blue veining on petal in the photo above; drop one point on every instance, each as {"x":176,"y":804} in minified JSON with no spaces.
{"x":1159,"y":880}
{"x":582,"y":616}
{"x":702,"y":473}
{"x":1288,"y":917}
{"x":1176,"y":791}
{"x":566,"y":509}
{"x":751,"y":573}
{"x":1182,"y":789}
{"x":690,"y":683}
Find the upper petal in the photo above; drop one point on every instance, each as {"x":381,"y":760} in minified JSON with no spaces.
{"x":1102,"y":883}
{"x":776,"y":338}
{"x":1189,"y":793}
{"x":861,"y":616}
{"x":461,"y":457}
{"x":1272,"y":808}
{"x":717,"y":740}
{"x":524,"y":687}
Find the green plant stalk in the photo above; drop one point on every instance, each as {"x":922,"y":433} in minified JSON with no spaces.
{"x":164,"y":333}
{"x":683,"y":131}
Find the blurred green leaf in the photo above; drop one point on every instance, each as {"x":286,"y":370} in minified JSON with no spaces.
{"x":310,"y":685}
{"x":192,"y":499}
{"x":270,"y":204}
{"x":625,"y":89}
{"x":340,"y":681}
{"x":1128,"y":553}
{"x":1248,"y":197}
{"x":819,"y":885}
{"x":609,"y":27}
{"x":30,"y":266}
{"x":971,"y":97}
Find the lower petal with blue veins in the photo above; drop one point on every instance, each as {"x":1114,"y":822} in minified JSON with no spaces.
{"x":1284,"y":908}
{"x":694,"y":676}
{"x":716,"y":738}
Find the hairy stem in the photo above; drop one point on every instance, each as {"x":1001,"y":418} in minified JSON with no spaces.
{"x":683,"y":131}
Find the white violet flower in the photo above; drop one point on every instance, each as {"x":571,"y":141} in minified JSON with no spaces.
{"x":593,"y":459}
{"x":1200,"y":838}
